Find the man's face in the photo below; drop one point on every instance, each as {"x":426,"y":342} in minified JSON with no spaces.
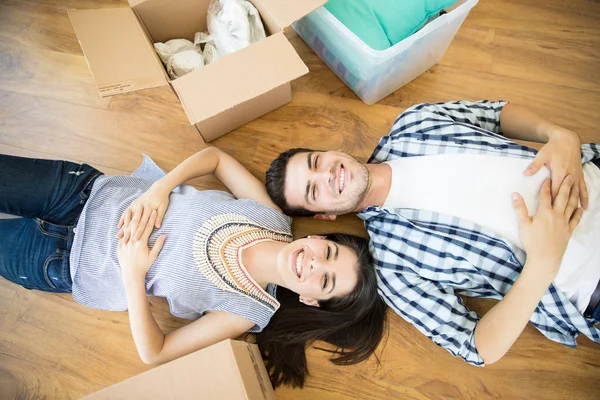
{"x":328,"y":182}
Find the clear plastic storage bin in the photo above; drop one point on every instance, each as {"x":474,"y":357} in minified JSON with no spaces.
{"x":373,"y":74}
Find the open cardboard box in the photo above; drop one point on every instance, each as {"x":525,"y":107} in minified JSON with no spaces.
{"x":222,"y":96}
{"x":227,"y":370}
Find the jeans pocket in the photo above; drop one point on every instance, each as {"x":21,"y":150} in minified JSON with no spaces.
{"x":56,"y":272}
{"x":49,"y":229}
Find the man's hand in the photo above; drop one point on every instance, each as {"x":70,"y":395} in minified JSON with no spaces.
{"x":545,"y":235}
{"x":156,"y":198}
{"x":134,"y":255}
{"x":562,"y":156}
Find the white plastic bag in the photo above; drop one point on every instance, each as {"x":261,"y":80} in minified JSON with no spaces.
{"x":180,"y":56}
{"x":233,"y":25}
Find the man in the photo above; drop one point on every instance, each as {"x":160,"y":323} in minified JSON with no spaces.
{"x":436,"y":200}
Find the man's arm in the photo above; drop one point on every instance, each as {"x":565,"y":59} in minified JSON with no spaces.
{"x":545,"y":238}
{"x":561,"y":153}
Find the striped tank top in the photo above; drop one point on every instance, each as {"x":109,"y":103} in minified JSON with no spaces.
{"x":199,"y":268}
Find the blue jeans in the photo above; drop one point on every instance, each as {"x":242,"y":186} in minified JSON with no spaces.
{"x":48,"y":197}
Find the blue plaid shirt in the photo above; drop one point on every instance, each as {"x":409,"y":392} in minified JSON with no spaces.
{"x":425,"y":259}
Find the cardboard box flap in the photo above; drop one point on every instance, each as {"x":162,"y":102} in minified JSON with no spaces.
{"x":285,"y":12}
{"x":238,"y":77}
{"x":117,"y":51}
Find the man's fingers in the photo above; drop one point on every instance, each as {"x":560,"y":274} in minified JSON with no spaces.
{"x":520,"y":208}
{"x":564,"y":193}
{"x":558,"y":177}
{"x":534,"y":166}
{"x":583,"y":193}
{"x":574,"y":221}
{"x":157,"y":247}
{"x":573,"y":202}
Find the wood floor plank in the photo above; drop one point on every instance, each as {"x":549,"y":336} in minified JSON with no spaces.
{"x":38,"y":27}
{"x":114,"y":139}
{"x":15,"y":151}
{"x":80,"y":4}
{"x":472,"y":48}
{"x":89,"y":344}
{"x":160,"y":102}
{"x":537,"y":15}
{"x":573,"y":108}
{"x":8,"y":290}
{"x":544,"y":57}
{"x":534,"y":368}
{"x":51,"y":347}
{"x":24,"y":380}
{"x":332,"y":383}
{"x":46,"y":73}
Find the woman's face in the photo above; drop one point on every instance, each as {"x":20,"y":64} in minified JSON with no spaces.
{"x":317,"y":269}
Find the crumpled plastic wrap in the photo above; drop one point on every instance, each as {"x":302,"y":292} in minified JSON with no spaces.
{"x":180,"y":56}
{"x":210,"y":52}
{"x":232,"y":25}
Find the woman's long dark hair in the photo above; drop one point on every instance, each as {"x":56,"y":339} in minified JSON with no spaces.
{"x":354,"y":324}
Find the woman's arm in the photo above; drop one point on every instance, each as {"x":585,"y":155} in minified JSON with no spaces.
{"x":153,"y":346}
{"x":240,"y":182}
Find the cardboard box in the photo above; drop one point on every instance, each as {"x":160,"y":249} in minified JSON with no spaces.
{"x":222,"y":96}
{"x":227,"y":370}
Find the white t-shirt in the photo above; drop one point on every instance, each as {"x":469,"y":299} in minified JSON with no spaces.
{"x":478,"y":188}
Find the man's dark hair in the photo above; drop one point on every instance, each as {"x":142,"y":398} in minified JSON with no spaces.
{"x":275,"y":182}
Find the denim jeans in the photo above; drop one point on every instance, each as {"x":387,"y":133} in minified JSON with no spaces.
{"x":48,"y":197}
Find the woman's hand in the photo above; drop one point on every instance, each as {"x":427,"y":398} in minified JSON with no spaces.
{"x":545,"y":236}
{"x":562,"y":156}
{"x":134,"y":255}
{"x":156,"y":198}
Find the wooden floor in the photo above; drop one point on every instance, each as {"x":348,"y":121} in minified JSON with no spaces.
{"x":541,"y":53}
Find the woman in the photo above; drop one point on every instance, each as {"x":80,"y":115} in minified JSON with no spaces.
{"x":216,"y":258}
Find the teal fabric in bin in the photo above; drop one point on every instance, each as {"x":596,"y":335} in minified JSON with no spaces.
{"x":383,"y":23}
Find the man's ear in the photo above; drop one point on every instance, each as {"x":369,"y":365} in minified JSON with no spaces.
{"x":309,"y":302}
{"x":328,"y":217}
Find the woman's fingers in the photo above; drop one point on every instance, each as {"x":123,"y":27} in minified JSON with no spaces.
{"x":146,"y":214}
{"x":157,"y":247}
{"x":148,"y":228}
{"x":160,"y":216}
